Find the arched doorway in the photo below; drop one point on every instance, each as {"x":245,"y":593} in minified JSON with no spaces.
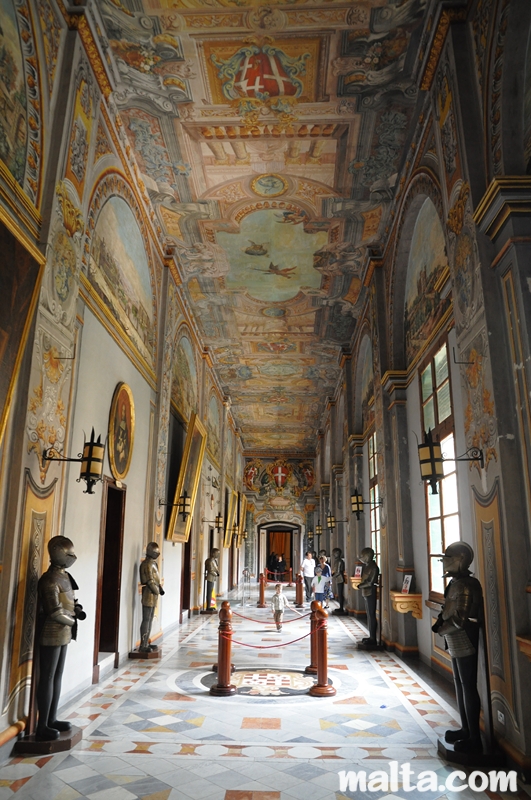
{"x":279,"y":538}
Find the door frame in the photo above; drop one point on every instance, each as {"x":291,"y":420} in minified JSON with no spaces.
{"x":107,"y":483}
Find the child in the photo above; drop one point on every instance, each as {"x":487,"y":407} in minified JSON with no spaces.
{"x":319,"y":584}
{"x":278,"y":603}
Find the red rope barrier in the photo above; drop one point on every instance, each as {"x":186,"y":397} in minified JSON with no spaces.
{"x":270,"y":622}
{"x":271,"y":646}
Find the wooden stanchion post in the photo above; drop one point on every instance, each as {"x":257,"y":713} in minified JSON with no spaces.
{"x":311,"y":669}
{"x":223,"y":688}
{"x":290,"y":577}
{"x":299,"y":598}
{"x":261,"y":600}
{"x":322,"y":688}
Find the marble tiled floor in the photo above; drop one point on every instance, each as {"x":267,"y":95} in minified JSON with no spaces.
{"x":153,"y":731}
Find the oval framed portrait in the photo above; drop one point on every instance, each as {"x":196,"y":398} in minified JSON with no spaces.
{"x":121,"y":431}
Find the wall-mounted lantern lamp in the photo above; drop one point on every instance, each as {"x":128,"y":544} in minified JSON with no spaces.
{"x":184,"y":505}
{"x":357,"y":502}
{"x":91,"y":461}
{"x":235,"y":528}
{"x":331,"y":521}
{"x":431,"y":460}
{"x":217,"y":523}
{"x":318,"y":528}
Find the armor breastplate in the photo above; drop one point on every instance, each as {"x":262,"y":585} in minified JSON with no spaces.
{"x":149,"y":574}
{"x":211,"y":568}
{"x":55,"y":594}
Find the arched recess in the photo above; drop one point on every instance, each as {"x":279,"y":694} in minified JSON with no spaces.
{"x":118,"y":262}
{"x":339,"y":429}
{"x":184,"y":384}
{"x":364,"y":386}
{"x":526,"y":104}
{"x":506,"y":92}
{"x":214,"y":427}
{"x":424,"y":186}
{"x":326,"y":457}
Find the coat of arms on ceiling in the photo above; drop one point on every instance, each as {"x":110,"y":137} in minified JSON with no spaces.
{"x":264,"y":72}
{"x":261,"y":72}
{"x":279,"y":477}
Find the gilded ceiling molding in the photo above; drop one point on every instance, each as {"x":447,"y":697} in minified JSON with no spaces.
{"x":423,"y":182}
{"x":111,"y":183}
{"x":136,"y":186}
{"x":19,"y":203}
{"x":439,"y":38}
{"x":73,"y":222}
{"x":456,"y":215}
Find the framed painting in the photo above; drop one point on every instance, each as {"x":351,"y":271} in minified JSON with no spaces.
{"x":243,"y":515}
{"x":20,"y":279}
{"x":121,"y":431}
{"x":231,"y":516}
{"x":188,"y":480}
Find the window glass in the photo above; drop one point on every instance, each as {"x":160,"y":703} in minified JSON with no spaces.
{"x":429,"y":415}
{"x":436,"y":540}
{"x":426,"y":383}
{"x":449,"y":494}
{"x":442,"y":509}
{"x":440,"y":362}
{"x":452,"y":532}
{"x":437,"y":580}
{"x":448,"y":452}
{"x":443,"y":401}
{"x":434,"y":505}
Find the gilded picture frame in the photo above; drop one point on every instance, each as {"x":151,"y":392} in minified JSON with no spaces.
{"x":20,"y":282}
{"x":121,"y":431}
{"x":243,"y":515}
{"x":231,"y":516}
{"x":189,"y":475}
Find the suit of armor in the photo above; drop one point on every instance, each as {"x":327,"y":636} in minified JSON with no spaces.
{"x":151,"y":589}
{"x":212,"y":573}
{"x":338,"y":568}
{"x":57,"y":626}
{"x":368,"y":586}
{"x":459,"y":622}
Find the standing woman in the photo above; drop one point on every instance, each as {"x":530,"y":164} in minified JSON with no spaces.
{"x":326,"y":573}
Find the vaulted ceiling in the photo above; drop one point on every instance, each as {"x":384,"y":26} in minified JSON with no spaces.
{"x":269,"y":139}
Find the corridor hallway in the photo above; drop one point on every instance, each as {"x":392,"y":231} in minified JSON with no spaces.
{"x":151,"y":730}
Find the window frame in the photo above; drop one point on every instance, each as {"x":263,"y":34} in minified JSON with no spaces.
{"x":375,"y":532}
{"x":440,"y":431}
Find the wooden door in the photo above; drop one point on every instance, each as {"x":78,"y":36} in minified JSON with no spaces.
{"x":106,"y":629}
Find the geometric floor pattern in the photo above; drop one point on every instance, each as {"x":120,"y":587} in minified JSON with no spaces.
{"x":153,"y":731}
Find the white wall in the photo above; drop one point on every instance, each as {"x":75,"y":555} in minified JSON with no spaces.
{"x":101,"y":365}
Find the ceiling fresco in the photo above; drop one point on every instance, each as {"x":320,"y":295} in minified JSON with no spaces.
{"x":269,"y":138}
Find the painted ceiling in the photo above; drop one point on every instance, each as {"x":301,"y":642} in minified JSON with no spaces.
{"x":269,"y":138}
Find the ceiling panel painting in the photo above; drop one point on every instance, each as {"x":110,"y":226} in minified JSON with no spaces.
{"x":269,"y":139}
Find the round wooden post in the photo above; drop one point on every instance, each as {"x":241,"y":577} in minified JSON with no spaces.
{"x":261,"y":600}
{"x":322,"y":688}
{"x":298,"y":592}
{"x":311,"y":669}
{"x":223,"y":688}
{"x":290,"y":577}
